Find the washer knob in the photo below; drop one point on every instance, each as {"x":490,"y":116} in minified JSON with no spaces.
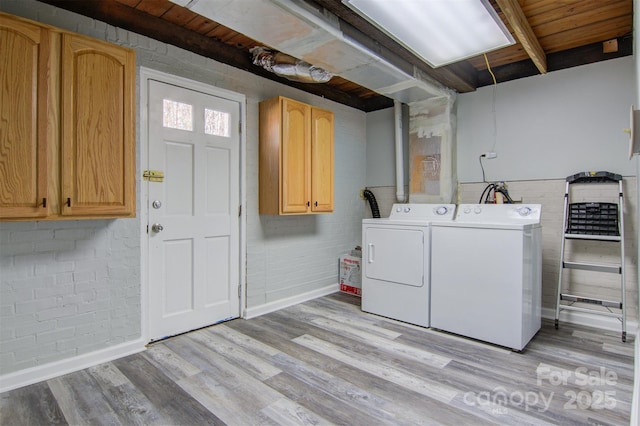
{"x":407,"y":209}
{"x":524,"y":211}
{"x":467,"y":210}
{"x":398,"y":209}
{"x":477,"y":210}
{"x":441,"y":210}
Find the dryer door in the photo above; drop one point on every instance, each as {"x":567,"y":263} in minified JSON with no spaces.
{"x":396,"y":255}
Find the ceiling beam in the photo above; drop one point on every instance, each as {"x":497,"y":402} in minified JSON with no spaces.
{"x":524,"y":33}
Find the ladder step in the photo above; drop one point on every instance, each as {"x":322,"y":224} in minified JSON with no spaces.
{"x":593,"y":237}
{"x":613,"y":269}
{"x":590,"y":300}
{"x":591,"y":311}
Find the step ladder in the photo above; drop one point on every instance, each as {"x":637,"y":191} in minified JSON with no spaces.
{"x":593,"y":221}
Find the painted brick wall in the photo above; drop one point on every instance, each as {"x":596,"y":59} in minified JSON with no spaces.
{"x":68,"y":288}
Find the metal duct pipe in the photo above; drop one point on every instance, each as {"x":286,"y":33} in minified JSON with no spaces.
{"x":397,"y":109}
{"x":288,"y":67}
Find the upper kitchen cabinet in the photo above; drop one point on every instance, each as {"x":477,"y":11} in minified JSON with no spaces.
{"x":296,"y":158}
{"x":25,"y":63}
{"x":68,"y":128}
{"x":98,"y":142}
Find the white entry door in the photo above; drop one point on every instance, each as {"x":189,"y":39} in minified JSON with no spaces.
{"x":193,"y":230}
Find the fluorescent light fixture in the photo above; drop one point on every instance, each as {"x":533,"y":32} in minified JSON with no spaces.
{"x":439,"y":31}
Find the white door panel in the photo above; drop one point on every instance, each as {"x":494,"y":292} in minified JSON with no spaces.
{"x":194,"y":259}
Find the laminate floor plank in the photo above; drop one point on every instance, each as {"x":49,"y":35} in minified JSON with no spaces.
{"x":348,"y":320}
{"x":286,"y":412}
{"x":231,"y":404}
{"x":339,"y":412}
{"x":225,"y":389}
{"x":172,"y":365}
{"x":253,"y":365}
{"x":326,"y":362}
{"x":265,"y":334}
{"x":30,"y":405}
{"x":386,"y":342}
{"x":130,"y":405}
{"x":174,"y":404}
{"x":82,"y":401}
{"x":427,"y":410}
{"x":342,"y":390}
{"x":395,"y":375}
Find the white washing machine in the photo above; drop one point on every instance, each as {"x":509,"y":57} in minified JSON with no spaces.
{"x":396,"y":261}
{"x":486,"y":273}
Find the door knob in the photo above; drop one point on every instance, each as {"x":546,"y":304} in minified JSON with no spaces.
{"x":156,"y":227}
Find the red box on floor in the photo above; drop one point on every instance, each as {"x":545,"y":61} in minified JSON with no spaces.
{"x":350,"y":278}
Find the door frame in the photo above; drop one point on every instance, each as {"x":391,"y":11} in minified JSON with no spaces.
{"x":147,"y":74}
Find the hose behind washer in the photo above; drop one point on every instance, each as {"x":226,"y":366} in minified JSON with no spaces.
{"x":375,"y":211}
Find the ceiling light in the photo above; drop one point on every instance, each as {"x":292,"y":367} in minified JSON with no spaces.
{"x":439,"y":31}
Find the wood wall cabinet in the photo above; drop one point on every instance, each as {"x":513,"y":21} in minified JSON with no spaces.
{"x":296,"y":158}
{"x":67,"y":105}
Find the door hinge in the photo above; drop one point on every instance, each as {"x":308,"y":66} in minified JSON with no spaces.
{"x":153,"y":175}
{"x":239,"y":291}
{"x":240,"y":210}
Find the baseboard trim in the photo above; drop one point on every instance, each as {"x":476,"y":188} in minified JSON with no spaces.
{"x":58,"y":368}
{"x":256,"y":311}
{"x":590,"y":320}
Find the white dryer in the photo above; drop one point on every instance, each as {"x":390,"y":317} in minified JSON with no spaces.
{"x":486,"y":275}
{"x":396,"y":260}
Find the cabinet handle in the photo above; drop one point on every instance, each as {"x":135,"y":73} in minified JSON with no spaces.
{"x":308,"y":203}
{"x":316,"y":204}
{"x":44,"y":203}
{"x":68,"y":203}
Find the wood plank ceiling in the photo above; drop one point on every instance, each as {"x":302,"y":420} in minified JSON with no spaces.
{"x":550,"y":35}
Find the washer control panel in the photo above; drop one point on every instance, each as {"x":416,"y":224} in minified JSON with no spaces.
{"x":499,"y":213}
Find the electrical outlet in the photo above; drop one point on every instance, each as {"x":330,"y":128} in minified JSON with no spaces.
{"x":362,"y":194}
{"x":489,"y":155}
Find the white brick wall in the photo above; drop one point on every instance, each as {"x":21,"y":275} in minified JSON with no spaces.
{"x":65,"y":290}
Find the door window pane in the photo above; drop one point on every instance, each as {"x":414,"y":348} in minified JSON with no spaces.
{"x":177,"y":115}
{"x":216,"y":123}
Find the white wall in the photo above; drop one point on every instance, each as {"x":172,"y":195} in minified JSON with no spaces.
{"x":380,"y":148}
{"x":69,"y":287}
{"x":381,"y":155}
{"x":549,"y":126}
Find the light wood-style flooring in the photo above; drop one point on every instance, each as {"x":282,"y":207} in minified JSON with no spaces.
{"x":325,"y":362}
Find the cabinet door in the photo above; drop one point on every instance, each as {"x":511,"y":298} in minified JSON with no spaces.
{"x":295,"y":175}
{"x":98,"y":144}
{"x":321,"y":160}
{"x":24,"y":63}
